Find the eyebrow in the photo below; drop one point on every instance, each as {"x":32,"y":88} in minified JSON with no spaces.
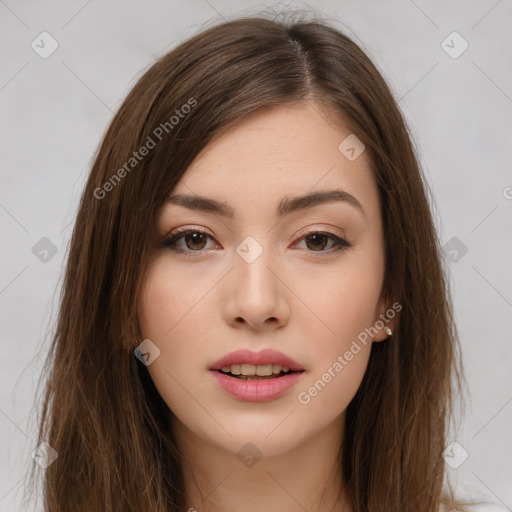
{"x":286,"y":206}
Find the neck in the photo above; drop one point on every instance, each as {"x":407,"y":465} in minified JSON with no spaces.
{"x":307,"y":477}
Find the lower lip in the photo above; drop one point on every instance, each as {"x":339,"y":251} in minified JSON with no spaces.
{"x":256,"y":390}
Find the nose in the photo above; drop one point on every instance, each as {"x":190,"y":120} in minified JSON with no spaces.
{"x":256,"y":295}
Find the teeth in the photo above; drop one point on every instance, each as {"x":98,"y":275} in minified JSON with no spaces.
{"x":250,"y":369}
{"x":247,"y":369}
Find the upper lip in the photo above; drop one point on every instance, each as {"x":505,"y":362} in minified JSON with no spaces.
{"x":263,"y":357}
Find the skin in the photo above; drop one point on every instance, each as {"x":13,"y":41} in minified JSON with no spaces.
{"x":309,"y":304}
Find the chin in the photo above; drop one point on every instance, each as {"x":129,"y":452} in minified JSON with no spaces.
{"x":247,"y":442}
{"x":260,"y":433}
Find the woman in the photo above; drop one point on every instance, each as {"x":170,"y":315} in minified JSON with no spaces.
{"x":254,"y":313}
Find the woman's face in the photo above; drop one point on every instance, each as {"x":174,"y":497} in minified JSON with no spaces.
{"x":261,"y":270}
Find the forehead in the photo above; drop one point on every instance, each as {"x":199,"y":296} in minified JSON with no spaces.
{"x":280,"y":152}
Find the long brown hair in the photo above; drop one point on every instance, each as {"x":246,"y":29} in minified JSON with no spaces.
{"x":100,"y":410}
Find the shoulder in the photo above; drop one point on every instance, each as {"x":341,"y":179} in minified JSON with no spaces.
{"x":488,"y":507}
{"x":480,"y":507}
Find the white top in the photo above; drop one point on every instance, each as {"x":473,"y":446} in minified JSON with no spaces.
{"x":484,"y":507}
{"x":489,"y":507}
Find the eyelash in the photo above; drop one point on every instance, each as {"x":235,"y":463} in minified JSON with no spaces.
{"x":171,"y":241}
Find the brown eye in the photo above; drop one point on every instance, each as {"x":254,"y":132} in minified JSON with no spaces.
{"x":323,"y":242}
{"x":318,"y":241}
{"x":187,"y":241}
{"x":195,"y":241}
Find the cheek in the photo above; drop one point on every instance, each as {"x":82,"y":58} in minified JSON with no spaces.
{"x":175,"y":312}
{"x":327,"y":394}
{"x":170,"y":315}
{"x":164,"y":313}
{"x":168,"y":297}
{"x":345,"y":302}
{"x":341,"y":354}
{"x":156,"y":304}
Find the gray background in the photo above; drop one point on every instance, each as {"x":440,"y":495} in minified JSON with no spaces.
{"x":55,"y":110}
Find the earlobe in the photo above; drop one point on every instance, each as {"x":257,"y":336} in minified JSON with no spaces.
{"x":384,"y":334}
{"x":380,"y":335}
{"x":385,"y":323}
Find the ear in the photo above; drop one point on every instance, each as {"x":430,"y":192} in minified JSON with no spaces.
{"x":385,"y":316}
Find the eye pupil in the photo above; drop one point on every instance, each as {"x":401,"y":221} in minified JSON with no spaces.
{"x":318,"y":238}
{"x":196,"y":239}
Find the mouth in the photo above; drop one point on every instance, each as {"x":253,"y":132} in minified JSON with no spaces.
{"x":256,"y":372}
{"x":256,"y":376}
{"x":248,"y":365}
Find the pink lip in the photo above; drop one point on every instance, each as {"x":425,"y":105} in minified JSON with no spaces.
{"x":256,"y":390}
{"x":263,"y":357}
